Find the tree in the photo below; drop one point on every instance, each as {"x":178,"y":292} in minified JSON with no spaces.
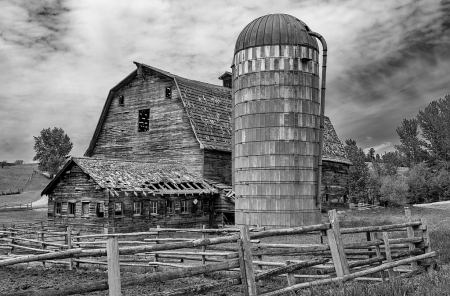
{"x":370,"y":155}
{"x":358,"y":172}
{"x":52,"y":148}
{"x":435,"y":124}
{"x":410,"y":144}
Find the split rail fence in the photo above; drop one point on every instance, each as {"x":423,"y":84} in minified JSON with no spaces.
{"x":372,"y":253}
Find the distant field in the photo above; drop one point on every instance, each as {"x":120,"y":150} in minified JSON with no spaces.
{"x":15,"y":177}
{"x":18,"y":199}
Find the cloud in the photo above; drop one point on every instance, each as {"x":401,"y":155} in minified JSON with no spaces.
{"x":379,"y":148}
{"x":368,"y":139}
{"x":387,"y":59}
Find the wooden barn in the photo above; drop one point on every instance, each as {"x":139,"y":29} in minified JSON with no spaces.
{"x":156,"y":119}
{"x":134,"y":194}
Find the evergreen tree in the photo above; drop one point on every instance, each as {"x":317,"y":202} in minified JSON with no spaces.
{"x":435,"y":124}
{"x":410,"y":144}
{"x":358,"y":172}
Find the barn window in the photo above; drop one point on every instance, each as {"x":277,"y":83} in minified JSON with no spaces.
{"x":144,"y":120}
{"x":153,"y":207}
{"x":121,"y":100}
{"x":118,"y":209}
{"x":169,"y":207}
{"x":100,"y":209}
{"x":58,"y":207}
{"x":137,"y":208}
{"x":85,"y":208}
{"x":168,"y":92}
{"x":71,"y":209}
{"x":184,"y":206}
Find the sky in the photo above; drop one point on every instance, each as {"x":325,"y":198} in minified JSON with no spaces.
{"x":58,"y":59}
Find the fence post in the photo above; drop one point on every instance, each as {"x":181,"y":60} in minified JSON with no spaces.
{"x":11,"y":235}
{"x":112,"y":251}
{"x":69,"y":245}
{"x":387,"y":248}
{"x":337,"y":246}
{"x":242,"y":267}
{"x":410,"y":234}
{"x":203,"y":247}
{"x":247,"y":262}
{"x":77,"y":264}
{"x":41,"y":237}
{"x":426,"y":240}
{"x":374,"y":237}
{"x":290,"y":279}
{"x":157,"y":242}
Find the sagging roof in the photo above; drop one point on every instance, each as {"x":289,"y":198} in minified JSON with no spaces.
{"x":208,"y":107}
{"x":136,"y":176}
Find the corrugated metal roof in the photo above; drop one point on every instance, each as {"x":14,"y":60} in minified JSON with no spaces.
{"x":275,"y":29}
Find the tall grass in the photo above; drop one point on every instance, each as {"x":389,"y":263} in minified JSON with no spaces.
{"x":433,"y":284}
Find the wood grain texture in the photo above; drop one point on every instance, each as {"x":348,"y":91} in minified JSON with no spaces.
{"x":114,"y":283}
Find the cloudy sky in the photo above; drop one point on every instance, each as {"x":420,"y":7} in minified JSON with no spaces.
{"x":58,"y":59}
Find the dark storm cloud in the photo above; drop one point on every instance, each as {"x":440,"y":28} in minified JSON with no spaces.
{"x":398,"y":66}
{"x":387,"y":59}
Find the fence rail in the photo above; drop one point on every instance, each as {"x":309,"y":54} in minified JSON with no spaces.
{"x":339,"y":255}
{"x":21,"y":207}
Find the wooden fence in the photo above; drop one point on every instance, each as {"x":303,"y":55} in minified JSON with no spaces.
{"x":372,"y":253}
{"x":21,"y":207}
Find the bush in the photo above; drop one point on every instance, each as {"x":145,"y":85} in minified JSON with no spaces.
{"x":394,"y":190}
{"x":428,"y":185}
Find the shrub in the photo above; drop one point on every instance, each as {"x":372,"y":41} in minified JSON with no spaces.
{"x":428,"y":185}
{"x":394,"y":190}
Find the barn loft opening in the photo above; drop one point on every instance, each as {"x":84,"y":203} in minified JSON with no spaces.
{"x":168,"y":92}
{"x":144,"y":120}
{"x":121,"y":100}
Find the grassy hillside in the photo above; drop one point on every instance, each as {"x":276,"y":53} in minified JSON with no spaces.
{"x":15,"y":177}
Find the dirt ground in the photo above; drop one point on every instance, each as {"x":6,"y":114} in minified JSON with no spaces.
{"x":25,"y":278}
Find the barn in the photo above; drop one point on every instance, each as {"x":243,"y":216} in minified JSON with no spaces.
{"x":153,"y":120}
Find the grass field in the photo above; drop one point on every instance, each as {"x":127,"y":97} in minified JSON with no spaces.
{"x":15,"y":177}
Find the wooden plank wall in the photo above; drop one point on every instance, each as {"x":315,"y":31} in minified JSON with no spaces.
{"x":170,"y":138}
{"x":334,"y":179}
{"x":77,"y":187}
{"x":217,"y":166}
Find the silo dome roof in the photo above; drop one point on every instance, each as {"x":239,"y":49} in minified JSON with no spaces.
{"x":275,"y":29}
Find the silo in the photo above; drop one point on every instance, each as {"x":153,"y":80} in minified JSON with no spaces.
{"x":276,"y":121}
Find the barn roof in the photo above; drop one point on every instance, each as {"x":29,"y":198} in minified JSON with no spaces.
{"x":333,"y":150}
{"x":136,"y":176}
{"x":208,"y":107}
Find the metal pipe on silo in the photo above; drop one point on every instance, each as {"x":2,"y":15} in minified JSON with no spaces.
{"x":322,"y":111}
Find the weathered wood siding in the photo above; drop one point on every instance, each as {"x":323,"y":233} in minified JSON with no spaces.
{"x":217,"y":166}
{"x":170,"y":138}
{"x":76,"y":187}
{"x":194,"y":217}
{"x":334,"y":179}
